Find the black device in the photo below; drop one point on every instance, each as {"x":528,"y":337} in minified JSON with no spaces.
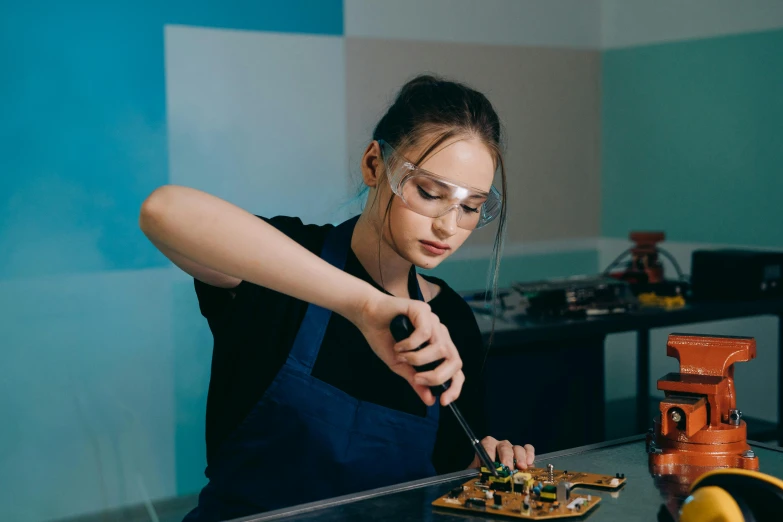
{"x":401,"y":328}
{"x":734,"y":274}
{"x":577,"y":296}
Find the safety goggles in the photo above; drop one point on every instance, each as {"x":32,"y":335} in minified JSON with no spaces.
{"x":433,"y":196}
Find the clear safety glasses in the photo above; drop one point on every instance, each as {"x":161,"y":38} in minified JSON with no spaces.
{"x":433,"y":196}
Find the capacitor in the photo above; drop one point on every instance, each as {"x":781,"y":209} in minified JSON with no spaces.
{"x":563,"y":492}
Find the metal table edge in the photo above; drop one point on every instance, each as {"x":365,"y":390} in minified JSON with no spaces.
{"x":396,"y":488}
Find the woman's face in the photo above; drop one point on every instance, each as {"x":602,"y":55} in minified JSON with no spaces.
{"x":422,"y":240}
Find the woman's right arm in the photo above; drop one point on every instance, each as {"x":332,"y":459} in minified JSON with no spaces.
{"x":222,"y":244}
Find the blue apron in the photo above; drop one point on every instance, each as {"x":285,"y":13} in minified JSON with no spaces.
{"x":306,"y":440}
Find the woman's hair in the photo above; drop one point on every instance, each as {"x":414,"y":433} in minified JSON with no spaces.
{"x":429,"y":110}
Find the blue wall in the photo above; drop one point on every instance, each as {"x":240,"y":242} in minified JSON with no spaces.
{"x":84,"y":122}
{"x":692,"y":138}
{"x":107,"y":357}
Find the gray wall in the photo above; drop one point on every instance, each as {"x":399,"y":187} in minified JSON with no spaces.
{"x":548,"y":100}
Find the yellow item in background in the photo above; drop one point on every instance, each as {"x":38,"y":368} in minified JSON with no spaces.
{"x":712,"y":504}
{"x":668,"y":302}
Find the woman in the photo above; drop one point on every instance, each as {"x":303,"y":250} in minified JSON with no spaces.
{"x":304,"y":403}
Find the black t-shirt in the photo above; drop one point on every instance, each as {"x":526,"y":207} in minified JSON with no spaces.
{"x":254,"y":331}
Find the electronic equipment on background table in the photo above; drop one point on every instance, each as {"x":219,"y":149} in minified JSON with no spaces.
{"x":736,"y":274}
{"x":576,"y":296}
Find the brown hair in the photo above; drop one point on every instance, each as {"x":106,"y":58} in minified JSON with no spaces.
{"x":435,"y":109}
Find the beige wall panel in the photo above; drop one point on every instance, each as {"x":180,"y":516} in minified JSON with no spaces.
{"x":548,"y":99}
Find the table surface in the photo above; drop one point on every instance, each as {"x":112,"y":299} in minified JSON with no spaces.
{"x":640,"y":499}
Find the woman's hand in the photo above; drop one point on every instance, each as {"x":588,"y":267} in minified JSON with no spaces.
{"x":374,"y":319}
{"x":519,"y":457}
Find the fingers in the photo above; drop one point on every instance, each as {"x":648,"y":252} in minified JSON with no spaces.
{"x":505,"y":452}
{"x":420,"y":337}
{"x":442,"y":349}
{"x":424,"y":324}
{"x":437,"y":348}
{"x":454,"y":390}
{"x":430,"y":353}
{"x":409,"y":374}
{"x":521,"y":460}
{"x":424,"y":393}
{"x":519,"y":457}
{"x":530,"y":451}
{"x":490,"y":445}
{"x":445,"y":371}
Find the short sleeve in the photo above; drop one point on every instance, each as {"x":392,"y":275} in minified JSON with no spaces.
{"x":215,"y":302}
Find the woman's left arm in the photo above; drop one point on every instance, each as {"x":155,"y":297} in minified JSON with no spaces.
{"x":503,"y":451}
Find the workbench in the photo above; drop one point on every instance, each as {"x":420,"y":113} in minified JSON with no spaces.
{"x":639,"y":500}
{"x":518,"y":334}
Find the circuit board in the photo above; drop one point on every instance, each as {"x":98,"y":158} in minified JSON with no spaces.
{"x":533,"y":494}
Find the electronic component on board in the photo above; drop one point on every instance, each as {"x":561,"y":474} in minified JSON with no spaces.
{"x":476,"y":502}
{"x":548,"y":493}
{"x":454,"y":493}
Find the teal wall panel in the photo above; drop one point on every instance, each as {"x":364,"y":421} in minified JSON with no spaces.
{"x":692,"y":135}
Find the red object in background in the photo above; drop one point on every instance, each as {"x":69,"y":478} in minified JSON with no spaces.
{"x":644,"y":266}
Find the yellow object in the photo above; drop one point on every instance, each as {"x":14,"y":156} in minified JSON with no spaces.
{"x":742,"y":472}
{"x":499,"y":469}
{"x":669,"y":302}
{"x":715,"y":504}
{"x":502,"y":480}
{"x":549,"y":492}
{"x":711,"y":504}
{"x":523,"y":482}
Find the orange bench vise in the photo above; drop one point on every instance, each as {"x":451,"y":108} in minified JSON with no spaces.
{"x":699,"y":424}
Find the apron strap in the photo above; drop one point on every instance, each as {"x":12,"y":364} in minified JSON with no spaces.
{"x":414,"y":290}
{"x":311,"y":332}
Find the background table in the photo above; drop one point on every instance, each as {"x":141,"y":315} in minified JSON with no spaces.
{"x":522,"y":334}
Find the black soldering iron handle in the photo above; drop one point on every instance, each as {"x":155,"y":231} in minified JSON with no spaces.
{"x":401,"y":328}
